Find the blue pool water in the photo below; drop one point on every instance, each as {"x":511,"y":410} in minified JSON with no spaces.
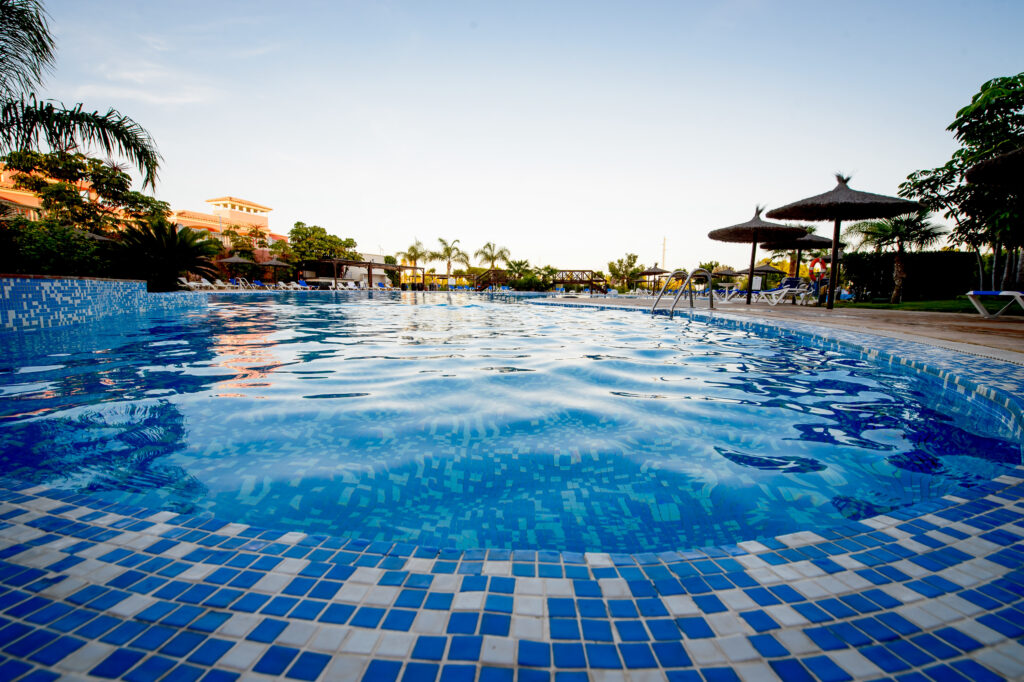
{"x":456,"y":422}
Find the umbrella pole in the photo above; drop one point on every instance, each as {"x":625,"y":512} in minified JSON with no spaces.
{"x":833,"y":270}
{"x":750,"y":273}
{"x":797,"y":273}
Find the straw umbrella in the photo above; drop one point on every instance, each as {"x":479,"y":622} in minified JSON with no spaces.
{"x":275,"y":263}
{"x":800,"y":244}
{"x":655,"y":272}
{"x":843,"y":203}
{"x":753,"y":231}
{"x":1003,"y":170}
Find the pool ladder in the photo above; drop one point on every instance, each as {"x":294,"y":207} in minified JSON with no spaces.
{"x":701,"y":272}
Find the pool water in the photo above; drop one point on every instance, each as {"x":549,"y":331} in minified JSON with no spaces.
{"x":451,"y":421}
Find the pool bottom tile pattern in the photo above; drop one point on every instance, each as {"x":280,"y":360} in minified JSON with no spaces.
{"x":90,"y":589}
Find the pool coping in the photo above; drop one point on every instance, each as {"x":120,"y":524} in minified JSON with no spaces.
{"x":931,"y":589}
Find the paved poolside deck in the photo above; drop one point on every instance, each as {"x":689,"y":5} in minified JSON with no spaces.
{"x":91,"y":590}
{"x":1001,"y":337}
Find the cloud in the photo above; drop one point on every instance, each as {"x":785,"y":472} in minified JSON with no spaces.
{"x":150,"y":95}
{"x":146,"y":81}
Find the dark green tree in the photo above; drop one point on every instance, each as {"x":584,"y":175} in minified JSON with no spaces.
{"x":27,"y":54}
{"x":901,"y":233}
{"x":312,"y":242}
{"x":82,"y":192}
{"x":160,"y":252}
{"x":992,"y":124}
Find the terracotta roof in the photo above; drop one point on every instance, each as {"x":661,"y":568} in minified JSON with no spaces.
{"x":243,"y":202}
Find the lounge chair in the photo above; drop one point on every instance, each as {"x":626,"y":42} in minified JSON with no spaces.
{"x":1015,"y":297}
{"x":218,"y":284}
{"x":775,"y":296}
{"x":191,"y":286}
{"x":303,"y":285}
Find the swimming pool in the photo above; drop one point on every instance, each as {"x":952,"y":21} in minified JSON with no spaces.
{"x":457,"y":422}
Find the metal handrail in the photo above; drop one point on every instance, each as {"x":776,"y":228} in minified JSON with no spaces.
{"x":699,"y":271}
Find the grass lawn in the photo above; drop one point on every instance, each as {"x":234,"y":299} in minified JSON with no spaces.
{"x":957,"y":305}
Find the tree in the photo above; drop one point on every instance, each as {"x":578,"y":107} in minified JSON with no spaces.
{"x":311,"y":242}
{"x":991,"y":124}
{"x":160,"y":252}
{"x":82,"y":192}
{"x":449,"y":253}
{"x":394,"y":276}
{"x":546,"y":274}
{"x":27,"y":53}
{"x":518,"y":269}
{"x":625,"y":271}
{"x":414,"y":254}
{"x":491,"y":254}
{"x":900,"y":233}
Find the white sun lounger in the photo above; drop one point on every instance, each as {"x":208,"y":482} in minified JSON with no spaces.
{"x":1015,"y":297}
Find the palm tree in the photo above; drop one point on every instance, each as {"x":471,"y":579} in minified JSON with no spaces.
{"x":902,"y":232}
{"x":414,"y":254}
{"x":449,"y":253}
{"x":160,"y":251}
{"x":491,"y":254}
{"x":27,"y":53}
{"x":517,"y":269}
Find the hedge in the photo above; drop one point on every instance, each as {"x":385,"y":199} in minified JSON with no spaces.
{"x":931,"y":275}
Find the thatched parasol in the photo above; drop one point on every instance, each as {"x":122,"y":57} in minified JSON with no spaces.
{"x":236,"y":259}
{"x":655,"y":272}
{"x":725,"y":272}
{"x":763,"y":269}
{"x":275,"y":263}
{"x":843,"y":203}
{"x":1005,"y":170}
{"x":801,"y":244}
{"x":753,"y":231}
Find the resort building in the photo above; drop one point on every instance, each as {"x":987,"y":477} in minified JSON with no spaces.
{"x":229,"y":212}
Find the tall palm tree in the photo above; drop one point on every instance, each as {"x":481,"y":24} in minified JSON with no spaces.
{"x":27,"y":53}
{"x":491,"y":254}
{"x":414,"y":254}
{"x":449,"y":253}
{"x":912,"y":231}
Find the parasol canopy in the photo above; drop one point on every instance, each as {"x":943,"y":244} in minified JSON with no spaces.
{"x":274,"y":263}
{"x":763,"y":269}
{"x":725,"y":272}
{"x":649,"y":272}
{"x":808,"y":241}
{"x":753,"y":231}
{"x":236,"y":259}
{"x":843,"y":203}
{"x":1003,"y":170}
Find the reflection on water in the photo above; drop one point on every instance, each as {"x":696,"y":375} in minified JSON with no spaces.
{"x":449,"y":421}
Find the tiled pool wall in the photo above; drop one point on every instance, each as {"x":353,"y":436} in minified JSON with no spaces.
{"x":42,"y":302}
{"x":90,"y":589}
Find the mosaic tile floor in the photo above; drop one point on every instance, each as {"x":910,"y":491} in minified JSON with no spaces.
{"x":932,"y":592}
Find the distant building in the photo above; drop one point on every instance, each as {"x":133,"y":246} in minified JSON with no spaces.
{"x":229,"y":212}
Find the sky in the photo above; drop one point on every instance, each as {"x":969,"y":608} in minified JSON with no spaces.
{"x":569,"y":132}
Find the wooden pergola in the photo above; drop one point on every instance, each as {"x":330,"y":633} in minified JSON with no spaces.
{"x":369,"y":265}
{"x":581,"y":277}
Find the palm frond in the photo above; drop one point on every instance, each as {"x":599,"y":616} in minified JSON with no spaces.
{"x":27,"y":50}
{"x":26,"y":122}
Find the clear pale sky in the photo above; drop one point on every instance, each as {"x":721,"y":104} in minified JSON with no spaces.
{"x":569,"y":132}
